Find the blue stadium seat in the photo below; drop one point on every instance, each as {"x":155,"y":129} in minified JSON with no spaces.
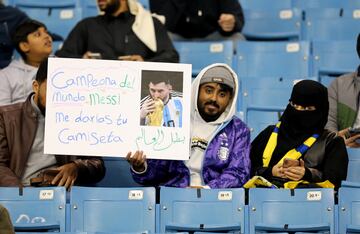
{"x":317,"y":14}
{"x":272,"y":24}
{"x":265,"y":5}
{"x":305,"y":4}
{"x":203,"y":53}
{"x":258,"y":118}
{"x":349,"y":210}
{"x":264,"y":99}
{"x":353,"y":173}
{"x":35,"y":209}
{"x":285,"y":210}
{"x":266,"y":91}
{"x":59,"y":16}
{"x":202,"y":210}
{"x":328,"y":26}
{"x":117,"y":174}
{"x":89,"y":8}
{"x":350,"y":4}
{"x":126,"y":210}
{"x":273,"y":59}
{"x":333,"y":58}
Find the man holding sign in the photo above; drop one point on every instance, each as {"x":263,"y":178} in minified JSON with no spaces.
{"x":220,"y":142}
{"x":22,"y":158}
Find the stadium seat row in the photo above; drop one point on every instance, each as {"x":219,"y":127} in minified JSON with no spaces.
{"x":134,"y":210}
{"x":297,"y":24}
{"x":264,"y":21}
{"x":300,"y":4}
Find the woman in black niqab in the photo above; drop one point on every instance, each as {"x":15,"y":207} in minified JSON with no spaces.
{"x":325,"y":157}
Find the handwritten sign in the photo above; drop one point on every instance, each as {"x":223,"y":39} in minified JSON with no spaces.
{"x":93,"y":108}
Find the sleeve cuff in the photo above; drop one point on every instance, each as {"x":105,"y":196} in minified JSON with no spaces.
{"x":308,"y":175}
{"x":141,"y":172}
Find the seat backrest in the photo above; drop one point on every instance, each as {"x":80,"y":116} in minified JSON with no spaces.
{"x":331,"y":59}
{"x":353,"y":172}
{"x":117,"y":174}
{"x":264,"y":4}
{"x":305,"y":4}
{"x":285,"y":210}
{"x":259,"y":118}
{"x":349,"y":210}
{"x":343,"y":28}
{"x":60,"y":17}
{"x":205,"y":210}
{"x":285,"y":24}
{"x":273,"y":59}
{"x":112,"y":209}
{"x":35,"y":209}
{"x":203,"y":53}
{"x":267,"y":91}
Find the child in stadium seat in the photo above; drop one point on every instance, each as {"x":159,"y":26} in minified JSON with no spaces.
{"x":34,"y":44}
{"x":22,"y":157}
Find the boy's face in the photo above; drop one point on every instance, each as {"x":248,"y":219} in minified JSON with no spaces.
{"x":38,"y":45}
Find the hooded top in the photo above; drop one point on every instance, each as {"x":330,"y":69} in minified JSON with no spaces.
{"x":231,"y":108}
{"x":204,"y":131}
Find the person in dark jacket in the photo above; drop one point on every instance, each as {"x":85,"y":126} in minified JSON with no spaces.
{"x":126,"y":32}
{"x":10,"y":19}
{"x":298,"y":148}
{"x":201,"y":19}
{"x":22,"y":156}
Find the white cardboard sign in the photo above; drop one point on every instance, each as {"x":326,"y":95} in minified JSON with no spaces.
{"x":93,"y":108}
